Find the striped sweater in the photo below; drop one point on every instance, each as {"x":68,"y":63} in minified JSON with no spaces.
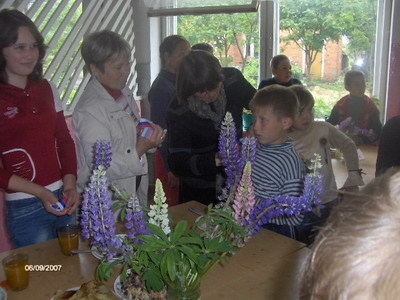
{"x":278,"y":170}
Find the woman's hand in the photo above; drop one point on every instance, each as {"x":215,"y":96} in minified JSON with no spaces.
{"x":153,"y":141}
{"x":74,"y":200}
{"x":71,"y":194}
{"x":47,"y":197}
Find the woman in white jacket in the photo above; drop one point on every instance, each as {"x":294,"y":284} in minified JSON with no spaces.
{"x":107,"y":111}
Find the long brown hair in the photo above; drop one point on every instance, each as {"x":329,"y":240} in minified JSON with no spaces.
{"x":10,"y":21}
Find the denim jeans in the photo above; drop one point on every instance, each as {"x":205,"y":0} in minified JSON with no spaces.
{"x":29,"y":223}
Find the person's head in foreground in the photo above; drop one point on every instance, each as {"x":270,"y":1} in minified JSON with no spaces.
{"x":274,"y":109}
{"x":356,"y":255}
{"x":108,"y":58}
{"x":306,"y":105}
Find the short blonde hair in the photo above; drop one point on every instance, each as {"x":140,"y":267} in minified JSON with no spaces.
{"x":357,"y":253}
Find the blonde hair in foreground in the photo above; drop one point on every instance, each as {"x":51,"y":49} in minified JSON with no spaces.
{"x":356,"y":255}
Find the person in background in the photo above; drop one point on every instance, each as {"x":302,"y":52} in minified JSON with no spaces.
{"x":172,"y":50}
{"x":107,"y":111}
{"x":37,"y":151}
{"x":313,"y":137}
{"x":389,"y":146}
{"x":194,"y":118}
{"x":281,"y":68}
{"x":278,"y":169}
{"x":356,"y":255}
{"x":356,"y":113}
{"x":234,"y":83}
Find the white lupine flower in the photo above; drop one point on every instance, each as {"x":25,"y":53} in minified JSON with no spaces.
{"x":159,"y":211}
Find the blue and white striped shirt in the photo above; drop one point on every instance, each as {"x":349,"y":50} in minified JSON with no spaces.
{"x":278,"y":170}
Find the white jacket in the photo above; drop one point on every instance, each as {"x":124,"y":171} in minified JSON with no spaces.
{"x":98,"y":117}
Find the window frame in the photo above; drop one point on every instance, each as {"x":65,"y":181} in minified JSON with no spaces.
{"x":164,"y":12}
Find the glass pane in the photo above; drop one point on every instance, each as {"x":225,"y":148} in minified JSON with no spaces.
{"x":326,"y":38}
{"x":234,"y":38}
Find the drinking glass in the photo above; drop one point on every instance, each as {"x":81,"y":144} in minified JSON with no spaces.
{"x":15,"y":269}
{"x":68,"y":237}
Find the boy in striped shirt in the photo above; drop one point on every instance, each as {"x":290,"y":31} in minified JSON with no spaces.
{"x":278,"y":169}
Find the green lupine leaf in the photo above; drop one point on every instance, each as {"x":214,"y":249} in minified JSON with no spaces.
{"x":171,"y":264}
{"x":178,"y":231}
{"x":190,"y":240}
{"x":188,"y":252}
{"x":153,"y":280}
{"x":157,"y":231}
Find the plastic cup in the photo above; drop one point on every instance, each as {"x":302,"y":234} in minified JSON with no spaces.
{"x":16,"y":272}
{"x":68,"y":237}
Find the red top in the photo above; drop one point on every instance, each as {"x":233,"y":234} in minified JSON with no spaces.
{"x":34,"y":139}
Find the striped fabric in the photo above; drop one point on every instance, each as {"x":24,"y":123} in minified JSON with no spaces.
{"x":278,"y":170}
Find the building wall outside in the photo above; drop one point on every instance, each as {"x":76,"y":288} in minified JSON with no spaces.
{"x":330,"y":64}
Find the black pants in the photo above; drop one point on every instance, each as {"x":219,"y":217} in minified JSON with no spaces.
{"x":204,"y":196}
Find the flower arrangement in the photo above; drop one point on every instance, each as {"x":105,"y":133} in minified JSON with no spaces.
{"x":179,"y":256}
{"x":357,"y":134}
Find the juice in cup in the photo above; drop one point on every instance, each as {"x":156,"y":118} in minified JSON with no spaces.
{"x":68,"y":237}
{"x":15,"y":270}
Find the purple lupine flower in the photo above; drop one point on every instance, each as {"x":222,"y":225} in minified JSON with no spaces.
{"x":248,"y":151}
{"x":135,"y":220}
{"x":97,"y":220}
{"x":280,"y":205}
{"x":228,"y":151}
{"x":345,"y":124}
{"x":102,"y":154}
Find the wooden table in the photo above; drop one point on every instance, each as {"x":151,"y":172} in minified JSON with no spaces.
{"x":367,"y":165}
{"x":266,"y":268}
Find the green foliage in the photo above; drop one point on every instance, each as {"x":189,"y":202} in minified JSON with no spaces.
{"x":251,"y":71}
{"x":297,"y":72}
{"x":323,"y":107}
{"x":310,"y":24}
{"x":223,"y":32}
{"x":182,"y":257}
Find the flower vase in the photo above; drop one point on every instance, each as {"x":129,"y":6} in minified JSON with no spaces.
{"x":183,"y":293}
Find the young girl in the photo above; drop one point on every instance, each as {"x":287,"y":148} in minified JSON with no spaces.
{"x":172,"y":50}
{"x":282,"y":71}
{"x":37,"y":152}
{"x":310,"y":137}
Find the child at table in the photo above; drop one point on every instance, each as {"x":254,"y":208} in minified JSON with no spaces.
{"x":310,"y":137}
{"x":356,"y":113}
{"x":278,"y":169}
{"x":281,"y":68}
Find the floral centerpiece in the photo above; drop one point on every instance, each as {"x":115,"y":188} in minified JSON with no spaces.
{"x":179,"y":257}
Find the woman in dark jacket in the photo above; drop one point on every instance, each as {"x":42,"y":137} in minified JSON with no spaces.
{"x":194,"y":119}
